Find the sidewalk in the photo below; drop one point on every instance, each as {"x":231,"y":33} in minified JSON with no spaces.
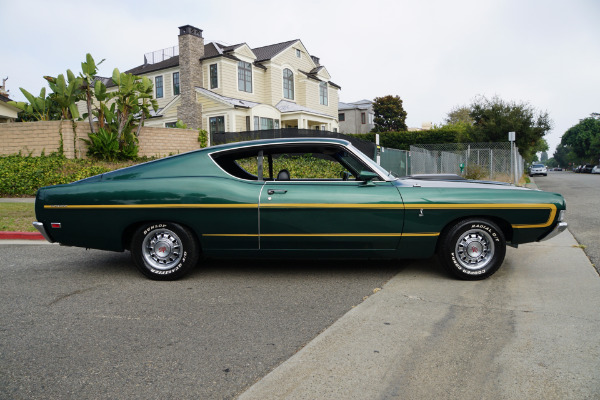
{"x":530,"y":331}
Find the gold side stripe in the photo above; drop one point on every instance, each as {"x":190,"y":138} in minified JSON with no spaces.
{"x":130,"y":206}
{"x":320,"y":234}
{"x":395,"y":206}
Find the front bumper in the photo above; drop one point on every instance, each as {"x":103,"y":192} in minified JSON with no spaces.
{"x":40,"y":227}
{"x":560,"y":227}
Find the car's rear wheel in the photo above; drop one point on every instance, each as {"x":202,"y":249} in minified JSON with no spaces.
{"x":164,"y":250}
{"x":473,"y":249}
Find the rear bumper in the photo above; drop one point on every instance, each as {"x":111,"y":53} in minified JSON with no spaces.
{"x":40,"y":227}
{"x":560,"y":227}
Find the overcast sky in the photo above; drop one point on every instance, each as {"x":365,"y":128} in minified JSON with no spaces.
{"x":435,"y":55}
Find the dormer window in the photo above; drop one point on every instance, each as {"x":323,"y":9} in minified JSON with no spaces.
{"x":288,"y":84}
{"x":244,"y":77}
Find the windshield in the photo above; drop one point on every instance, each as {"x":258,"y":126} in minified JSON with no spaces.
{"x":538,"y":165}
{"x":372,"y":164}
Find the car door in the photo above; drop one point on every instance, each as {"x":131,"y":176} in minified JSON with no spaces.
{"x":316,"y":213}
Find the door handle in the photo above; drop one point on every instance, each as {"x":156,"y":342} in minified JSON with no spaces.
{"x":277,"y":191}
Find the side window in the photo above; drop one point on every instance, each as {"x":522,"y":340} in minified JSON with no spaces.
{"x":214,"y":78}
{"x":175,"y":83}
{"x":300,"y":163}
{"x":244,"y":77}
{"x":323,"y":97}
{"x":158,"y":86}
{"x":288,"y":84}
{"x":308,"y":166}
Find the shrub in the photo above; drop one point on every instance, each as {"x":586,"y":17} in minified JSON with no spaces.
{"x":24,"y":175}
{"x":403,"y":140}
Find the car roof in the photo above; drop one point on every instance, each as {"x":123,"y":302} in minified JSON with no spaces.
{"x":262,"y":142}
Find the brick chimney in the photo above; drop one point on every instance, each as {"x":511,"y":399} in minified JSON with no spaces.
{"x":191,"y":49}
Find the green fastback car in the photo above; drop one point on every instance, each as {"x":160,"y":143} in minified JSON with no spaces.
{"x":291,"y":198}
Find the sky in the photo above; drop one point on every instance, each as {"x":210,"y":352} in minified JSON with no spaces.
{"x":435,"y":54}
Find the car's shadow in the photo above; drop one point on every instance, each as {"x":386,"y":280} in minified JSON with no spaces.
{"x":121,"y":265}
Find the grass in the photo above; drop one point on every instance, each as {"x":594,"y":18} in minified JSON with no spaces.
{"x":17,"y":217}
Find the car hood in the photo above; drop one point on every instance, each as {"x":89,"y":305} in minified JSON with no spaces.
{"x":466,"y":184}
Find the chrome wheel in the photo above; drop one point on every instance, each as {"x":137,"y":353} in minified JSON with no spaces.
{"x":162,"y":249}
{"x":474,"y":249}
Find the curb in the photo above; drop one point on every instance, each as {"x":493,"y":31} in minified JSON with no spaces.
{"x":21,"y":236}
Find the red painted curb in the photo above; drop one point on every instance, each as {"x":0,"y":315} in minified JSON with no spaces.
{"x":21,"y":236}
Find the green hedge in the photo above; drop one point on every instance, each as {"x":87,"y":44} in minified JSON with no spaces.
{"x":403,"y":140}
{"x":23,"y":176}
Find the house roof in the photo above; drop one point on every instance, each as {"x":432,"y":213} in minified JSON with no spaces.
{"x":268,"y":52}
{"x":146,"y":68}
{"x":227,"y":100}
{"x":285,"y":106}
{"x":4,"y":98}
{"x":360,"y":105}
{"x":215,"y":49}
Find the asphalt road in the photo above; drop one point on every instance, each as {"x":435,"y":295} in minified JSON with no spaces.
{"x":79,"y":324}
{"x":582,"y":193}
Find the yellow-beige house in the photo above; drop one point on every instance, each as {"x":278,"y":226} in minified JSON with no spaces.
{"x":223,"y":88}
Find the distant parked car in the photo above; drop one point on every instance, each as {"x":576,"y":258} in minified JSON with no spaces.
{"x":557,"y":169}
{"x":577,"y":168}
{"x":587,"y":168}
{"x":596,"y":169}
{"x":538,"y":169}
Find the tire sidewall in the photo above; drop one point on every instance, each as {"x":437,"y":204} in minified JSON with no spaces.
{"x":188,"y":244}
{"x":449,"y":258}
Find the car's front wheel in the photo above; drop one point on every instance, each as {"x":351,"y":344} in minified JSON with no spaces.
{"x":473,"y":249}
{"x":164,"y":250}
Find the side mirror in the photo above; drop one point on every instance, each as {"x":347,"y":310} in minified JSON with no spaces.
{"x":367,"y":177}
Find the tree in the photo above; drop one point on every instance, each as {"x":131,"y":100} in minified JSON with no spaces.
{"x":564,"y":155}
{"x":459,"y":116}
{"x":66,"y":93}
{"x":89,"y":70}
{"x":39,"y":108}
{"x":389,"y":114}
{"x":583,"y":139}
{"x":494,"y":118}
{"x":118,"y":113}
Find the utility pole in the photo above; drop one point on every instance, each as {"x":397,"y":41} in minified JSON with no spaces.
{"x":513,"y":161}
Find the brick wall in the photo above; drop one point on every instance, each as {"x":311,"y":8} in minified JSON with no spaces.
{"x":160,"y":142}
{"x":44,"y":136}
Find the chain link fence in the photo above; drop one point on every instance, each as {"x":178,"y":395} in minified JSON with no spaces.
{"x":396,"y":161}
{"x":485,"y":161}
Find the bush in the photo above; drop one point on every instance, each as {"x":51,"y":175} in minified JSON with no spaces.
{"x":24,"y":175}
{"x":403,"y":140}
